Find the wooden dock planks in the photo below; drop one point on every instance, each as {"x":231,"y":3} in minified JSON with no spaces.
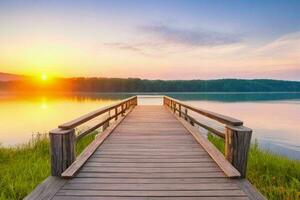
{"x":151,"y":155}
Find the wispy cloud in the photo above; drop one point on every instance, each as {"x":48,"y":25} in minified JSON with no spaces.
{"x":188,"y":37}
{"x":125,"y":46}
{"x":159,"y":40}
{"x":287,"y":45}
{"x":144,"y":48}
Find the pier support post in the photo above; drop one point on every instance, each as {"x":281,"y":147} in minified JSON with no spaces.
{"x":237,"y":144}
{"x":62,"y":150}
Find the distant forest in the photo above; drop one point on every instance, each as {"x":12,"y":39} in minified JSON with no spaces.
{"x":143,"y":85}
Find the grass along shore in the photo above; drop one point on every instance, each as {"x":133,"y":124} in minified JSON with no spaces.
{"x":23,"y":167}
{"x":276,"y":177}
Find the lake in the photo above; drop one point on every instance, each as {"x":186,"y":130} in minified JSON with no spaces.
{"x":274,"y":117}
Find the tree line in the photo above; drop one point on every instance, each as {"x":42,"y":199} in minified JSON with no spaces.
{"x":144,"y":85}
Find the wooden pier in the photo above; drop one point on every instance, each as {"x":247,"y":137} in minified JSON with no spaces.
{"x":149,"y":152}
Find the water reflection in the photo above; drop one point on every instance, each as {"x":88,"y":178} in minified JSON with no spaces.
{"x":25,"y":115}
{"x":275,"y":124}
{"x":274,"y":117}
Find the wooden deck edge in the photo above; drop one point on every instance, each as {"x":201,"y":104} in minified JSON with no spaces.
{"x":213,"y":152}
{"x":47,"y":189}
{"x":250,"y":190}
{"x":90,"y":149}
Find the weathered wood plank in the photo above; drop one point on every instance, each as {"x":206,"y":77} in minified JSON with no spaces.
{"x":250,"y":190}
{"x":151,"y":146}
{"x":142,"y":160}
{"x":156,"y":165}
{"x":152,"y":180}
{"x":215,"y":154}
{"x":140,"y":147}
{"x":82,"y":158}
{"x":149,"y":169}
{"x":150,"y":153}
{"x":205,"y":193}
{"x":47,"y":189}
{"x":163,"y":150}
{"x":157,"y":187}
{"x":149,"y":156}
{"x":145,"y":198}
{"x":151,"y":175}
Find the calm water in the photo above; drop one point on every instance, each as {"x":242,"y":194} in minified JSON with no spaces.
{"x":274,"y":117}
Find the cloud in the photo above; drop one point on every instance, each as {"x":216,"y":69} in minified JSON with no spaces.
{"x":124,"y":46}
{"x":187,"y":37}
{"x":162,"y":40}
{"x":287,"y":45}
{"x":143,"y":48}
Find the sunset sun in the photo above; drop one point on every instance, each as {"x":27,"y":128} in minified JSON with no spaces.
{"x":44,"y":77}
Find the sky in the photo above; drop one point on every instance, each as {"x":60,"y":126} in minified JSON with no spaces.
{"x":170,"y":39}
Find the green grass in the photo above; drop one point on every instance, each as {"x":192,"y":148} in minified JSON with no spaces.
{"x":23,"y":167}
{"x":276,"y":177}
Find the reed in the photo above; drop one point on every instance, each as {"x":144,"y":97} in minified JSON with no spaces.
{"x":23,"y":167}
{"x":276,"y":177}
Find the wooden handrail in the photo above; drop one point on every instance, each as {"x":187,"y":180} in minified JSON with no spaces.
{"x":214,"y":153}
{"x":93,"y":114}
{"x":212,"y":115}
{"x":63,"y":139}
{"x":237,"y":137}
{"x":205,"y":126}
{"x":89,"y":150}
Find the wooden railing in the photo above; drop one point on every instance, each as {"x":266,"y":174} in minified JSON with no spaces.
{"x":63,"y":139}
{"x":237,"y":137}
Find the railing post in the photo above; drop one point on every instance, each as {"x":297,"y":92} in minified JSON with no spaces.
{"x":116,"y":112}
{"x":122,"y":110}
{"x":106,"y":124}
{"x":174,"y":107}
{"x":62,"y":150}
{"x":179,"y":110}
{"x":237,"y":144}
{"x":185,"y":114}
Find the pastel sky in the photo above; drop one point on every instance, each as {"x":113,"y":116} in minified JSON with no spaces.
{"x":163,"y":39}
